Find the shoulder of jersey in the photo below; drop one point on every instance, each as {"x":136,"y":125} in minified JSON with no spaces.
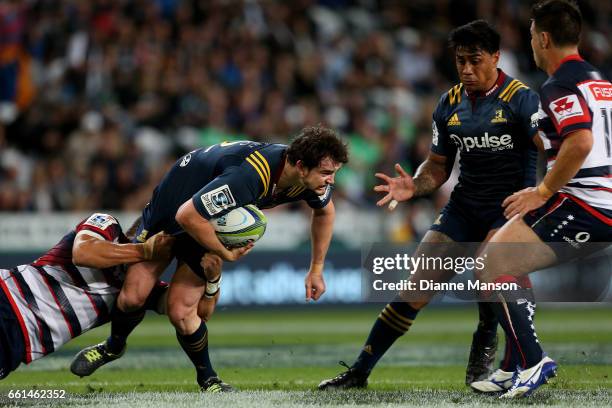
{"x":100,"y":220}
{"x":452,"y":96}
{"x":262,"y":167}
{"x":510,"y":89}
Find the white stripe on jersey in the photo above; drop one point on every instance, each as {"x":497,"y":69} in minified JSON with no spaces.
{"x":97,"y":284}
{"x":50,"y":311}
{"x":80,"y":302}
{"x":594,"y":198}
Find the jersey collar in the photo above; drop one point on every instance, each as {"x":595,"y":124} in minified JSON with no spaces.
{"x":572,"y":57}
{"x":501,"y":78}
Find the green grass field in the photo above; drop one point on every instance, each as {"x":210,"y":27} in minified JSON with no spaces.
{"x":278,"y":357}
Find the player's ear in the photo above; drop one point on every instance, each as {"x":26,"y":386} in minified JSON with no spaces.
{"x":544,"y":40}
{"x":495,"y":57}
{"x":302,"y":170}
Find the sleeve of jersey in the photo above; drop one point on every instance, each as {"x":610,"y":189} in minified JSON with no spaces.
{"x":440,"y":141}
{"x":100,"y":225}
{"x":318,"y":201}
{"x":234,"y":188}
{"x":528,"y":105}
{"x":566,"y":108}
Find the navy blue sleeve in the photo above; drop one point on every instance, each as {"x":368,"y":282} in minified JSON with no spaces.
{"x":530,"y":162}
{"x":527,"y":112}
{"x":237,"y":186}
{"x":316,"y":201}
{"x":440,"y":140}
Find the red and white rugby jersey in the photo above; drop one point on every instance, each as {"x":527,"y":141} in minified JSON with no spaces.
{"x":55,"y":300}
{"x":577,"y":97}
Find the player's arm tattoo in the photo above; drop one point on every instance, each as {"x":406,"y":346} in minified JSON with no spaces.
{"x":431,"y":174}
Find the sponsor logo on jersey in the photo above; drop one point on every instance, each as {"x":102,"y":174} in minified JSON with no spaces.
{"x":535,"y":118}
{"x":601,"y":91}
{"x":217,"y":200}
{"x":186,"y":160}
{"x":101,"y":221}
{"x":493,"y":143}
{"x":454,"y":120}
{"x":499,"y":117}
{"x":566,"y":107}
{"x":434,"y":133}
{"x":582,"y":237}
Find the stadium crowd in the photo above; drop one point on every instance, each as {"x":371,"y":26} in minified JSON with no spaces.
{"x":98,"y":98}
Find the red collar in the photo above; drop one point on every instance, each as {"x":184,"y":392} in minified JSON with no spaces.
{"x":501,"y":77}
{"x":572,"y":57}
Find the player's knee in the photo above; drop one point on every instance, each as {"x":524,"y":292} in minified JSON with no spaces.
{"x":212,"y":265}
{"x":418,"y":305}
{"x":178,"y":313}
{"x":130,"y":301}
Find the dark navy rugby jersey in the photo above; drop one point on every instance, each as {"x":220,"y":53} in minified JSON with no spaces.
{"x":494,"y":135}
{"x":222,"y":177}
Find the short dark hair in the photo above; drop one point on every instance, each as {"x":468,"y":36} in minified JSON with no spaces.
{"x":560,"y":18}
{"x":315,"y":143}
{"x":475,"y":35}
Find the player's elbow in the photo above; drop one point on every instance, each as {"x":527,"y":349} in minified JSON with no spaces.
{"x":582,"y":144}
{"x":82,"y":257}
{"x":182,"y":215}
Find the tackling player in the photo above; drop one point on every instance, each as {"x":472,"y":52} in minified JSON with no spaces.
{"x":572,"y":206}
{"x":70,"y":289}
{"x":490,"y":118}
{"x":208,"y":183}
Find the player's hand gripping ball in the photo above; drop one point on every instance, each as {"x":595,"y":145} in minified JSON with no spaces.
{"x":240,"y":226}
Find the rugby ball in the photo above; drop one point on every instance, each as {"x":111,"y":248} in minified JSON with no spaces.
{"x":240,"y":226}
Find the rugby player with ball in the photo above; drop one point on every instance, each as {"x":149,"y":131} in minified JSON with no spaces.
{"x":206,"y":184}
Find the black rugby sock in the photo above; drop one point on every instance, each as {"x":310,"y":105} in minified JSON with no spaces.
{"x":512,"y":356}
{"x":394,"y":320}
{"x":487,"y":324}
{"x":196,"y":348}
{"x":122,"y":324}
{"x":515,"y":312}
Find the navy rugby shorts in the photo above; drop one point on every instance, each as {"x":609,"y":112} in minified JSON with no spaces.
{"x":464,"y":220}
{"x":185,"y":249}
{"x":12,"y":343}
{"x":574,"y":228}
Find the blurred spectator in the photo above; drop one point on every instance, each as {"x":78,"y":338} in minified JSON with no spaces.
{"x":97,"y":98}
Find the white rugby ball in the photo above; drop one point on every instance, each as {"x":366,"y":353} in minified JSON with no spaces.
{"x":240,"y":226}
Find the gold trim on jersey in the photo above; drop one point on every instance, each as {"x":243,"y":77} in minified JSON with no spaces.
{"x":511,"y":89}
{"x":454,"y":94}
{"x":295,"y":190}
{"x":260,"y":164}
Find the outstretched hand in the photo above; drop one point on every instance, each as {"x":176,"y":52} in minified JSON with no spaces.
{"x":400,"y":188}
